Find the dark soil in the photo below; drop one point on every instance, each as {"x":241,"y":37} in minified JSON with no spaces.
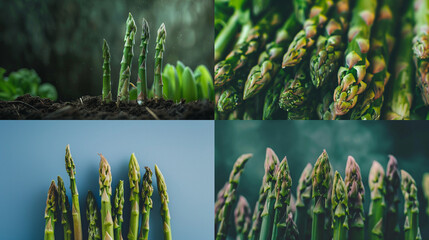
{"x":87,"y":107}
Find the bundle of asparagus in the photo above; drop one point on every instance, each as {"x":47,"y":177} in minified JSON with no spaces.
{"x":106,"y":222}
{"x":336,"y":210}
{"x":293,"y":77}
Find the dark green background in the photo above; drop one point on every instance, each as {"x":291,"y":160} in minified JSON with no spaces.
{"x":303,"y":141}
{"x":62,"y":40}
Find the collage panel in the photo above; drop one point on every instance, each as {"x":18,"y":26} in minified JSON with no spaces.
{"x":321,"y":180}
{"x":166,"y":170}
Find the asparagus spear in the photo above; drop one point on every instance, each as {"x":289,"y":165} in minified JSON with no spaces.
{"x":426,"y":189}
{"x":267,"y":215}
{"x":219,"y":204}
{"x":303,"y":199}
{"x":350,"y":77}
{"x":283,"y":195}
{"x":147,"y":190}
{"x":326,"y":58}
{"x":71,"y":170}
{"x":421,"y":47}
{"x":401,"y":96}
{"x":107,"y":83}
{"x":142,"y":76}
{"x":134,"y":177}
{"x":356,"y":195}
{"x":92,"y":215}
{"x":242,"y":218}
{"x":305,"y":38}
{"x":50,"y":212}
{"x":411,"y":207}
{"x":377,"y":205}
{"x":105,"y":182}
{"x":321,"y":179}
{"x":64,"y":208}
{"x":339,"y":208}
{"x":118,"y":206}
{"x":234,"y":180}
{"x":302,"y":9}
{"x":291,"y":232}
{"x":393,"y":182}
{"x":228,"y":100}
{"x":165,"y":212}
{"x":259,"y":207}
{"x":272,"y":97}
{"x":159,"y":49}
{"x":124,"y":74}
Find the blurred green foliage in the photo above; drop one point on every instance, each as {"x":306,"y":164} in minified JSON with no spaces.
{"x":24,"y":81}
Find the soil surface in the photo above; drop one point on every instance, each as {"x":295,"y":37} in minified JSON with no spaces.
{"x":89,"y":107}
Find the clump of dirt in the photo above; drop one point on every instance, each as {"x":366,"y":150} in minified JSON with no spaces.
{"x":90,"y":107}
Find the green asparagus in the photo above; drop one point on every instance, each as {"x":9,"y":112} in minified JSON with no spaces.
{"x":147,"y":190}
{"x":303,"y":200}
{"x":377,"y":205}
{"x":219,"y":204}
{"x":393,"y":185}
{"x":411,"y":207}
{"x":356,"y":195}
{"x":92,"y":215}
{"x":159,"y":50}
{"x":291,"y":232}
{"x":50,"y":212}
{"x":64,"y":209}
{"x":165,"y":212}
{"x":142,"y":76}
{"x":228,"y":100}
{"x":340,"y":209}
{"x":107,"y":83}
{"x":302,"y":9}
{"x":134,"y":177}
{"x":105,"y":182}
{"x":242,"y":218}
{"x":118,"y":206}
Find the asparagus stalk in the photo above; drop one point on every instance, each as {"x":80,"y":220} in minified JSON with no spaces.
{"x":230,"y":197}
{"x":291,"y":232}
{"x":118,"y":206}
{"x":426,"y":189}
{"x":228,"y":100}
{"x":411,"y":207}
{"x":351,"y":76}
{"x":165,"y":212}
{"x":393,"y":182}
{"x":134,"y":177}
{"x":401,"y":96}
{"x":242,"y":218}
{"x":124,"y":74}
{"x":219,"y":204}
{"x":305,"y":38}
{"x":159,"y":50}
{"x":267,"y":215}
{"x":303,"y":199}
{"x":321,"y":179}
{"x":259,"y":207}
{"x":71,"y":170}
{"x":272,"y":96}
{"x":339,"y":208}
{"x":421,"y":47}
{"x":92,"y":215}
{"x":142,"y":76}
{"x":105,"y":182}
{"x":302,"y":9}
{"x":107,"y":83}
{"x":50,"y":212}
{"x":356,"y":195}
{"x":64,"y":208}
{"x":147,"y":190}
{"x":283,"y":195}
{"x":377,"y":205}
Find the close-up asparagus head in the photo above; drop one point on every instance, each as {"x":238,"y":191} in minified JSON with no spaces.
{"x":50,"y":212}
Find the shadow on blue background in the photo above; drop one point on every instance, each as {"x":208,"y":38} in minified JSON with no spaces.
{"x":32,"y":154}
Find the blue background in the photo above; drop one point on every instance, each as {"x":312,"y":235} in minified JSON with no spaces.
{"x":32,"y":154}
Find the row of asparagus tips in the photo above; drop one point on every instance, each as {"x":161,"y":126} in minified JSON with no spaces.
{"x":125,"y":70}
{"x":111,"y":214}
{"x":327,"y":207}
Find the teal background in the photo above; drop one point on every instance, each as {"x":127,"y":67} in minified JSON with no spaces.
{"x":32,"y":154}
{"x":303,"y":141}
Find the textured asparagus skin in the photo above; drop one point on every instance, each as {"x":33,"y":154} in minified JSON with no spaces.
{"x":351,"y":76}
{"x":421,"y":47}
{"x":142,"y":76}
{"x":107,"y":83}
{"x":283,"y":195}
{"x":267,"y":215}
{"x":134,"y":178}
{"x":303,"y":200}
{"x":64,"y":209}
{"x":228,"y":100}
{"x":127,"y":56}
{"x":302,"y":9}
{"x":50,"y":212}
{"x":230,"y":198}
{"x":326,"y":58}
{"x":159,"y":50}
{"x":219,"y":204}
{"x":118,"y":206}
{"x":305,"y":39}
{"x":105,"y":181}
{"x":356,"y":196}
{"x":339,"y":208}
{"x":242,"y":218}
{"x":411,"y":207}
{"x":92,"y":215}
{"x":71,"y":170}
{"x":401,"y":96}
{"x":147,"y":190}
{"x":377,"y":205}
{"x":291,"y":232}
{"x":272,"y":97}
{"x":393,"y":184}
{"x":165,"y":212}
